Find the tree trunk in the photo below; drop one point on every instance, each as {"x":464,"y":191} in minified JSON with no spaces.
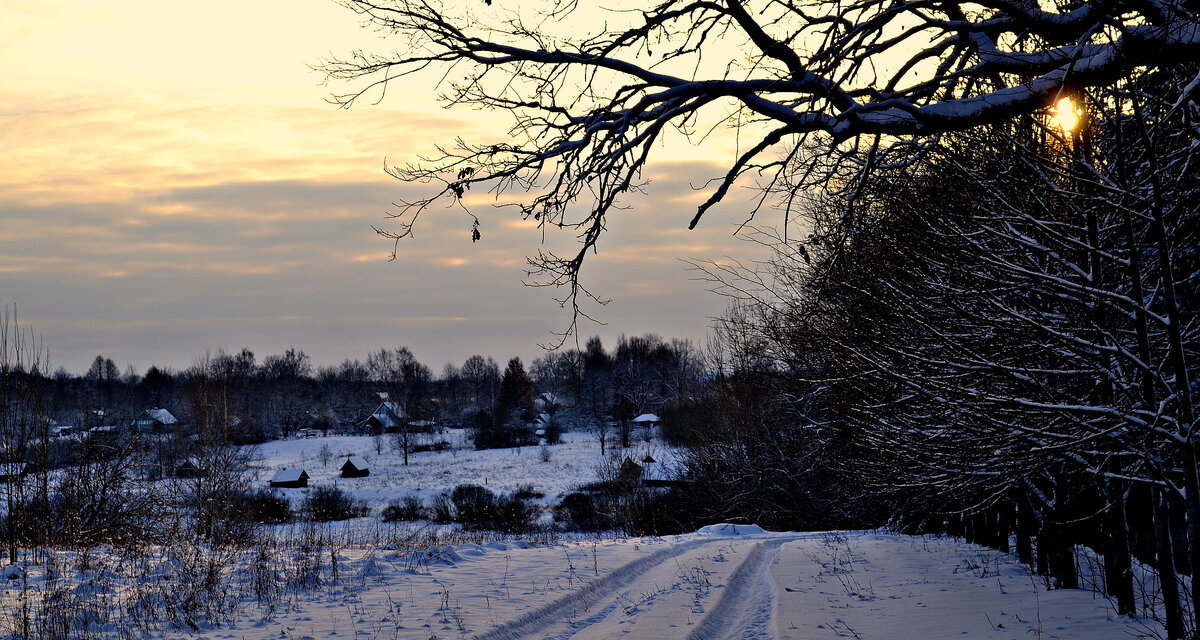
{"x":1166,"y":566}
{"x":1025,"y":528}
{"x":1118,"y":576}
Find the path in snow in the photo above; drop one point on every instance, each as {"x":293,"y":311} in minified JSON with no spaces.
{"x":747,"y":605}
{"x":720,"y":583}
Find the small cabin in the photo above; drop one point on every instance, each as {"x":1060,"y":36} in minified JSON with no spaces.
{"x":630,"y":470}
{"x":355,"y":468}
{"x":290,"y":479}
{"x":189,"y":469}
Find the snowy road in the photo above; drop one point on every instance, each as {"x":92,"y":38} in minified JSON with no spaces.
{"x":715,"y":584}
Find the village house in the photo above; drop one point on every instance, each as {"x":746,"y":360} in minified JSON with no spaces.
{"x":155,"y":421}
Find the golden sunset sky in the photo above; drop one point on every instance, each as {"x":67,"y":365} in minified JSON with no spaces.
{"x":174,"y":180}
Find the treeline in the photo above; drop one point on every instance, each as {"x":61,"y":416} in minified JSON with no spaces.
{"x":998,"y":335}
{"x":277,"y":396}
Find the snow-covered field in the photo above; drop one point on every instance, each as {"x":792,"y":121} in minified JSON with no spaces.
{"x":312,"y":582}
{"x":429,"y":473}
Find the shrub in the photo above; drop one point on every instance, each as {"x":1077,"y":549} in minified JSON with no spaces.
{"x":327,"y":503}
{"x":527,"y":492}
{"x":582,"y":511}
{"x":407,"y":508}
{"x":440,"y":445}
{"x":264,"y":506}
{"x":514,"y":515}
{"x":474,"y":506}
{"x":441,"y":510}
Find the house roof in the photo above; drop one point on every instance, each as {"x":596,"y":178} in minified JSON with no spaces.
{"x":161,"y":415}
{"x":357,"y":462}
{"x":647,"y":417}
{"x":389,"y":414}
{"x":289,"y":475}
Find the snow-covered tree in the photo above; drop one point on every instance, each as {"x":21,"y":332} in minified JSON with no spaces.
{"x":593,"y":92}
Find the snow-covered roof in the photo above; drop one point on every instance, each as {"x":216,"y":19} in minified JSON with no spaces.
{"x":288,"y":475}
{"x":647,"y":417}
{"x":389,"y":414}
{"x":358,"y":463}
{"x":161,"y":415}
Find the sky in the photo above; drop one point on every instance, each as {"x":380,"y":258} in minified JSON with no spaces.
{"x":175,"y":181}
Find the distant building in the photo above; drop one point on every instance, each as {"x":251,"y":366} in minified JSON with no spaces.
{"x":355,"y":468}
{"x":389,"y":417}
{"x":630,"y":470}
{"x":189,"y":469}
{"x":155,"y":421}
{"x":290,"y":479}
{"x":12,"y":471}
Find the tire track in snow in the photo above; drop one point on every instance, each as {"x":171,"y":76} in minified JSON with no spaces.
{"x":586,"y":597}
{"x":746,"y":609}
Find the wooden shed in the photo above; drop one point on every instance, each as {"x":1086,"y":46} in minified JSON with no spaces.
{"x":290,"y":479}
{"x":189,"y":469}
{"x":630,"y":470}
{"x":355,"y":468}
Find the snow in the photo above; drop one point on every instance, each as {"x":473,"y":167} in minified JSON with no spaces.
{"x":415,"y":580}
{"x":726,"y":581}
{"x":161,"y":415}
{"x":287,"y":475}
{"x":430,"y":473}
{"x":730,"y":530}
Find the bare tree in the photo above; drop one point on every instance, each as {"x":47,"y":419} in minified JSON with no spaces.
{"x":21,"y":360}
{"x":592,"y":91}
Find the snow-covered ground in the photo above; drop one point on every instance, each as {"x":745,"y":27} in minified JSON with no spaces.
{"x":572,"y":463}
{"x":733,"y":583}
{"x":312,"y":582}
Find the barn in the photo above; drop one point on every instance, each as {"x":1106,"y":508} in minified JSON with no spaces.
{"x":355,"y":468}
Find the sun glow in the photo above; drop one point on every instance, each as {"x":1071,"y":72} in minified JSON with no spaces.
{"x":1066,"y":116}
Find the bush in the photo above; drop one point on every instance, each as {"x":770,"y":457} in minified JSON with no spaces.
{"x":476,"y":507}
{"x":514,"y":515}
{"x":441,"y":510}
{"x":527,"y":492}
{"x":405,"y":509}
{"x":582,"y":511}
{"x":440,"y":445}
{"x":264,"y":507}
{"x":328,"y":503}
